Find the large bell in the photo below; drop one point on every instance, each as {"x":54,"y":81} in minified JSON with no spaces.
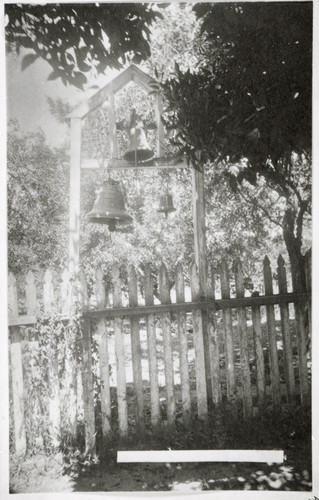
{"x":109,"y":208}
{"x":166,"y":204}
{"x":138,"y":148}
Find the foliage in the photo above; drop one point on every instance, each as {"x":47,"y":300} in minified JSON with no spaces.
{"x":37,"y":201}
{"x":77,"y":39}
{"x":248,"y":104}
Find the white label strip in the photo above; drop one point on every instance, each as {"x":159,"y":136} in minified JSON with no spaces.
{"x":267,"y":456}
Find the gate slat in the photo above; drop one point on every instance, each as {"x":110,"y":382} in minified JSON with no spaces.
{"x":136,"y":347}
{"x":101,"y":302}
{"x":259,"y":353}
{"x":228,"y":333}
{"x":71,"y":367}
{"x":168,"y":349}
{"x":285,"y":327}
{"x":87,"y":374}
{"x":54,"y":399}
{"x":272,"y":340}
{"x":201,"y":388}
{"x":183,"y":354}
{"x":151,"y":342}
{"x":16,"y":370}
{"x":244,"y":352}
{"x":120,"y":354}
{"x":214,"y":345}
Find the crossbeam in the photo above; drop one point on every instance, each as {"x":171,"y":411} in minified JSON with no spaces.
{"x":113,"y":312}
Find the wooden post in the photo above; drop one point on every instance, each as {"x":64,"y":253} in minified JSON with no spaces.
{"x":201,"y":388}
{"x":272,"y":340}
{"x":168,"y":349}
{"x":159,"y":125}
{"x":136,"y":347}
{"x":112,"y":126}
{"x":285,"y":328}
{"x":244,"y":353}
{"x":151,"y":341}
{"x":101,"y":302}
{"x":17,"y":371}
{"x":228,"y":333}
{"x":259,"y":353}
{"x":201,"y":263}
{"x":75,"y":188}
{"x":87,"y":375}
{"x":183,"y":351}
{"x":70,"y":393}
{"x":120,"y":354}
{"x":54,"y":400}
{"x":214,"y":346}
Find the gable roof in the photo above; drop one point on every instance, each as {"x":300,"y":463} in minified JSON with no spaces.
{"x":131,"y":73}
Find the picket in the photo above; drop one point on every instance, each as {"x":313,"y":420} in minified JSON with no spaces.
{"x":20,"y":442}
{"x":101,"y":303}
{"x":272,"y":338}
{"x":70,"y":382}
{"x":259,"y":354}
{"x":228,"y":332}
{"x":243,"y":343}
{"x":120,"y":354}
{"x":151,"y":341}
{"x":168,"y":348}
{"x":201,"y":388}
{"x":86,"y":369}
{"x":285,"y":328}
{"x":53,"y":371}
{"x":136,"y":347}
{"x":183,"y":353}
{"x":214,"y":345}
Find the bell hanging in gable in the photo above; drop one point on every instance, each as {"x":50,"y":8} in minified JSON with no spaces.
{"x":138,"y":148}
{"x":109,"y":208}
{"x":166,"y":204}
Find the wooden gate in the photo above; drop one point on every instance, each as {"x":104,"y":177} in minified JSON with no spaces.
{"x":151,"y":348}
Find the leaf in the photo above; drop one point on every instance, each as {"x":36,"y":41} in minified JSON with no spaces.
{"x":27,"y":60}
{"x":54,"y":75}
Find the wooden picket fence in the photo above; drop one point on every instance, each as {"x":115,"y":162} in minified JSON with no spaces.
{"x":167,"y":357}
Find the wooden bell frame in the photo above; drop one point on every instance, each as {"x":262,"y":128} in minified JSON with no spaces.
{"x":107,"y":95}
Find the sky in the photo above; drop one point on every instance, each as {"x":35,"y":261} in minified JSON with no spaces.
{"x":27,"y":92}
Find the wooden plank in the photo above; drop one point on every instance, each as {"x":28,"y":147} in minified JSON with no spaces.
{"x":228,"y":333}
{"x":101,"y":301}
{"x":112,"y":126}
{"x":259,"y":353}
{"x":75,"y":182}
{"x":20,"y":442}
{"x":30,"y":294}
{"x":116,"y":84}
{"x":183,"y":351}
{"x":272,"y":340}
{"x":301,"y":334}
{"x":285,"y":328}
{"x":214,"y":345}
{"x":187,"y":306}
{"x":136,"y":347}
{"x":12,"y":296}
{"x":243,"y":343}
{"x":168,"y":348}
{"x":159,"y":124}
{"x":53,"y":367}
{"x":151,"y":341}
{"x":201,"y":388}
{"x":120,"y":354}
{"x":87,"y":373}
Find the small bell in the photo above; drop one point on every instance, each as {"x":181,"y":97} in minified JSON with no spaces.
{"x":166,"y":204}
{"x":138,"y":147}
{"x":109,"y":208}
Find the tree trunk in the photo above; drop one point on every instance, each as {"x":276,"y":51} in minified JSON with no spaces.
{"x":293,"y":244}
